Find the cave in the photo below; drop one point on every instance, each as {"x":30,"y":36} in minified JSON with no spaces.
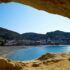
{"x":60,"y":7}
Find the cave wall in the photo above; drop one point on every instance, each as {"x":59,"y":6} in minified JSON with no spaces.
{"x":61,"y":7}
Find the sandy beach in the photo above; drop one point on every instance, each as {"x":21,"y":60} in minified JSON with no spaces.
{"x":7,"y":49}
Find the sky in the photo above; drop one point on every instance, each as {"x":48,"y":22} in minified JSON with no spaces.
{"x":22,"y":18}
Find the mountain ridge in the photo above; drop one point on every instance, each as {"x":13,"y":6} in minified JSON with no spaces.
{"x":50,"y":38}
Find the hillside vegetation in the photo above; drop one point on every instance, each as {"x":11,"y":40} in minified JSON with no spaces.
{"x":11,"y":38}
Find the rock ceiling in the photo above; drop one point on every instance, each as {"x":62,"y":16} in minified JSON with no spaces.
{"x":61,"y":7}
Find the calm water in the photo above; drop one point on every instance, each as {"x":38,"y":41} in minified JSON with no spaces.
{"x":35,"y":52}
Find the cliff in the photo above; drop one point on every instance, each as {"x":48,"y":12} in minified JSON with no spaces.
{"x":48,"y":61}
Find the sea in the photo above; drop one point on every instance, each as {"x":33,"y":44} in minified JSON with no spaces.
{"x":35,"y":52}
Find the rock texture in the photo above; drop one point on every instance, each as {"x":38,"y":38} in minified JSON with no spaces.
{"x":6,"y":64}
{"x":48,"y":61}
{"x":61,"y":7}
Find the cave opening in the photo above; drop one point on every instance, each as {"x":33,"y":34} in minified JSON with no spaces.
{"x":22,"y":18}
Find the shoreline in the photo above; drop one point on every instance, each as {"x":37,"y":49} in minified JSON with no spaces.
{"x":48,"y":61}
{"x":4,"y":50}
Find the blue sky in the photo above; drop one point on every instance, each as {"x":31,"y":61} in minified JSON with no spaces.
{"x":22,"y":18}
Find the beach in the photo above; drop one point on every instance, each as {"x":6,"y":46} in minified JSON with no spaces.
{"x":8,"y":49}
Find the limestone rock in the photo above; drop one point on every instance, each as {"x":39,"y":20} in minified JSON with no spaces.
{"x":49,"y":61}
{"x":6,"y":64}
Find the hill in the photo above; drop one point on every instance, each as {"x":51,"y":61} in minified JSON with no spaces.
{"x":58,"y":37}
{"x":8,"y":37}
{"x":33,"y":36}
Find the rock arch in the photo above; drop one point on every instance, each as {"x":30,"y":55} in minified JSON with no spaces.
{"x":61,"y":7}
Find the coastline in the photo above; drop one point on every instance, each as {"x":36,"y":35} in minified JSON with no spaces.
{"x":4,"y":50}
{"x":49,"y":61}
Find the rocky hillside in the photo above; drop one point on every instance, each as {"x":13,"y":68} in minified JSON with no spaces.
{"x":33,"y":36}
{"x":58,"y":37}
{"x":10,"y":38}
{"x":8,"y":34}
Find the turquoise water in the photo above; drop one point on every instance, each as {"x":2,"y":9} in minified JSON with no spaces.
{"x":35,"y":52}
